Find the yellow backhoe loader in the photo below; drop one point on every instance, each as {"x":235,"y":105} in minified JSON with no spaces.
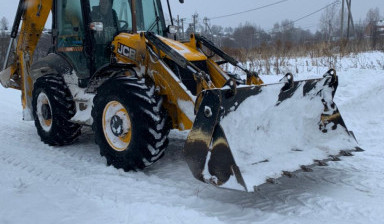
{"x":112,"y":66}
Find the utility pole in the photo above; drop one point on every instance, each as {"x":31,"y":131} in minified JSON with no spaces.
{"x":194,"y":16}
{"x":350,"y":19}
{"x":208,"y":30}
{"x":182,"y":28}
{"x":342,"y":21}
{"x":190,"y":29}
{"x":205,"y":21}
{"x":178,"y":26}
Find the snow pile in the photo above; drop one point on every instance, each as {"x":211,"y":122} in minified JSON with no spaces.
{"x":266,"y":139}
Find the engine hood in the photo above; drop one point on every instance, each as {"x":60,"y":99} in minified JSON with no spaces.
{"x":188,"y":52}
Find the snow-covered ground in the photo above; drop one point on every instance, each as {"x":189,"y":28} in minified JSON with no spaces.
{"x":42,"y":184}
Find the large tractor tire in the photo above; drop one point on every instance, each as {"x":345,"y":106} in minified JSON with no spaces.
{"x":53,"y":107}
{"x":131,"y":127}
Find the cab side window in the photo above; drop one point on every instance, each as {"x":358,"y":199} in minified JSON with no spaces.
{"x":71,"y":35}
{"x":70,"y":23}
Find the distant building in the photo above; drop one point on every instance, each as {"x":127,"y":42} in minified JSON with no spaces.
{"x":380,"y":27}
{"x":375,"y":28}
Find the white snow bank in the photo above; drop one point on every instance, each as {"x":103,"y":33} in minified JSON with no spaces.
{"x":313,"y":66}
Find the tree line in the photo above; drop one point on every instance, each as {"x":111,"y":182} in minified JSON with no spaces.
{"x":283,"y":39}
{"x":285,"y":35}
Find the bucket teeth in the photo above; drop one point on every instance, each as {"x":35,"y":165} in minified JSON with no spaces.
{"x":346,"y":153}
{"x":321,"y":163}
{"x":306,"y":169}
{"x":334,"y":158}
{"x":288,"y":174}
{"x":272,"y":181}
{"x":358,"y":149}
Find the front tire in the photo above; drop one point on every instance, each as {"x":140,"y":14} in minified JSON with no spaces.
{"x":53,"y":107}
{"x":130,"y":124}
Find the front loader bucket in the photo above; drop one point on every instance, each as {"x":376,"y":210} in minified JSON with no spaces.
{"x":246,"y":136}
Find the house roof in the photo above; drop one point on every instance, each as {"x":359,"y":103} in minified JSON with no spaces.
{"x":380,"y":22}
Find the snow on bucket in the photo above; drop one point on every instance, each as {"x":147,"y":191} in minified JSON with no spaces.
{"x":246,"y":135}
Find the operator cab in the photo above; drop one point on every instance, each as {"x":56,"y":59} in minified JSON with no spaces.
{"x":85,"y":29}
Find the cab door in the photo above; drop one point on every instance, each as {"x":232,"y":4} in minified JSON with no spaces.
{"x":71,"y":35}
{"x":115,"y":17}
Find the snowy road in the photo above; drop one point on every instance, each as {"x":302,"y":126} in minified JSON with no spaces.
{"x":42,"y":184}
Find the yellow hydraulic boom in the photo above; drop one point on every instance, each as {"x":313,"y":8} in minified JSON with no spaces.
{"x":34,"y":14}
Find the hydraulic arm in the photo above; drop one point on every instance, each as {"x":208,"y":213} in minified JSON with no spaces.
{"x":16,"y":74}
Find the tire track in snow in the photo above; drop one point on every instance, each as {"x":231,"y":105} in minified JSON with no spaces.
{"x":46,"y":163}
{"x":347,"y":191}
{"x":166,"y":178}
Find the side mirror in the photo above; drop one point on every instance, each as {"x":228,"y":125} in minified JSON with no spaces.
{"x":96,"y":26}
{"x":181,"y":1}
{"x":172,"y":29}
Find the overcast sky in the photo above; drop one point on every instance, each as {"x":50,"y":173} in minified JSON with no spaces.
{"x":289,"y":9}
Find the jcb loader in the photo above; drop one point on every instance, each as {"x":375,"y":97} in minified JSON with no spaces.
{"x":112,"y":66}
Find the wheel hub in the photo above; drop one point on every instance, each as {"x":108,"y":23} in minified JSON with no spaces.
{"x":46,"y":112}
{"x":117,"y":126}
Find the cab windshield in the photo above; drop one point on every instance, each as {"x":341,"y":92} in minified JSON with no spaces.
{"x":116,"y":15}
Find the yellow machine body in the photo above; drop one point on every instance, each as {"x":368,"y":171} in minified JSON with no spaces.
{"x":180,"y":102}
{"x":34,"y":20}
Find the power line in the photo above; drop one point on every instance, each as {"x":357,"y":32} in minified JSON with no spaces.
{"x":310,"y":14}
{"x":319,"y":10}
{"x":249,"y":10}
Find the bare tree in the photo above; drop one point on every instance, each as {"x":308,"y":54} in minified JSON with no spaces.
{"x":3,"y":38}
{"x":217,"y":30}
{"x":373,"y":15}
{"x":371,"y":20}
{"x":245,"y":36}
{"x":329,"y":21}
{"x":3,"y":24}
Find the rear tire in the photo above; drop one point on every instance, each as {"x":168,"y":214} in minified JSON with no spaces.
{"x":130,"y":125}
{"x":53,"y":107}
